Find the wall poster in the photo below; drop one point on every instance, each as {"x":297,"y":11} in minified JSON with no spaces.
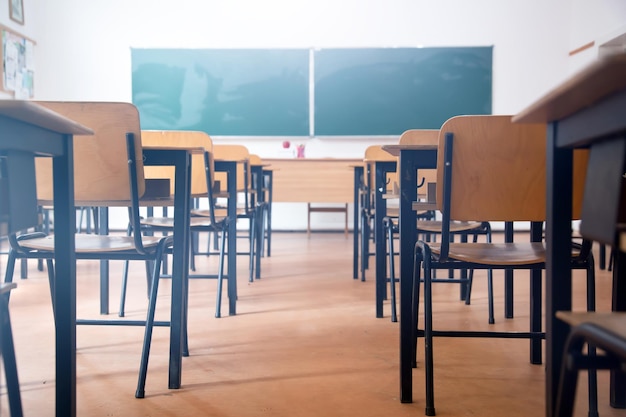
{"x":17,"y":64}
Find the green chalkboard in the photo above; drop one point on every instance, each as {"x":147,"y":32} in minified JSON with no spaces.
{"x":385,"y":91}
{"x":239,"y":92}
{"x":265,"y":92}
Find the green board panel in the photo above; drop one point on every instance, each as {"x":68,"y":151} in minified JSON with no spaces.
{"x":385,"y":91}
{"x":238,"y":92}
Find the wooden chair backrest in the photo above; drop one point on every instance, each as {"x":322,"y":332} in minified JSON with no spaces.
{"x":255,"y":159}
{"x":232,"y":152}
{"x":422,"y":137}
{"x":419,"y":137}
{"x":100,"y":161}
{"x":498,"y":170}
{"x":181,"y":139}
{"x":376,"y":153}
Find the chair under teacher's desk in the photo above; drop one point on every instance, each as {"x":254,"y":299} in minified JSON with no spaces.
{"x":109,"y":171}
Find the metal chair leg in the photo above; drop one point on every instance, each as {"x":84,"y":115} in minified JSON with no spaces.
{"x":8,"y":353}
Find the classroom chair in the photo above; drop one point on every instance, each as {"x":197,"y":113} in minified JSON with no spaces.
{"x":489,"y":169}
{"x":108,"y":171}
{"x":374,"y":154}
{"x":428,"y":226}
{"x":208,"y":219}
{"x":248,"y":208}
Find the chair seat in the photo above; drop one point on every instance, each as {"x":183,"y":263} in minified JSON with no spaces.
{"x":605,"y":331}
{"x":434,"y":226}
{"x":241,"y":211}
{"x":92,"y":243}
{"x":613,"y":321}
{"x":495,"y":253}
{"x":220,"y":213}
{"x":168,"y":222}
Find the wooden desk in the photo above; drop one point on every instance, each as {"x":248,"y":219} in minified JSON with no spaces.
{"x":28,"y":129}
{"x":309,"y":180}
{"x":585,"y":111}
{"x":411,"y":159}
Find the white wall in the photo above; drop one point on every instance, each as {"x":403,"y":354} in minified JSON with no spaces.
{"x":594,"y":21}
{"x":83,"y":47}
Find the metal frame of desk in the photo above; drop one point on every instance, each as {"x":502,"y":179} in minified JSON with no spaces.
{"x":411,"y":159}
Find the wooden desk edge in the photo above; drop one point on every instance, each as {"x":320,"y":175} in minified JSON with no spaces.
{"x":193,"y":150}
{"x":229,"y":160}
{"x":395,"y":149}
{"x":35,"y":114}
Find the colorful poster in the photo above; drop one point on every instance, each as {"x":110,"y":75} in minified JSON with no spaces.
{"x":18,"y":65}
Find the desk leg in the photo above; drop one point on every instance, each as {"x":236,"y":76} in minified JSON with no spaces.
{"x":508,"y":275}
{"x":103,"y":229}
{"x":380,"y":252}
{"x":232,"y":238}
{"x":536,"y":233}
{"x":558,"y":259}
{"x":259,"y":205}
{"x":618,"y":378}
{"x":409,"y":162}
{"x":358,"y":173}
{"x":258,"y":240}
{"x":180,"y":266}
{"x":408,"y":237}
{"x":270,"y":199}
{"x":65,"y":285}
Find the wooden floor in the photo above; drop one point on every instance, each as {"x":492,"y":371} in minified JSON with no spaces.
{"x":305,"y":343}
